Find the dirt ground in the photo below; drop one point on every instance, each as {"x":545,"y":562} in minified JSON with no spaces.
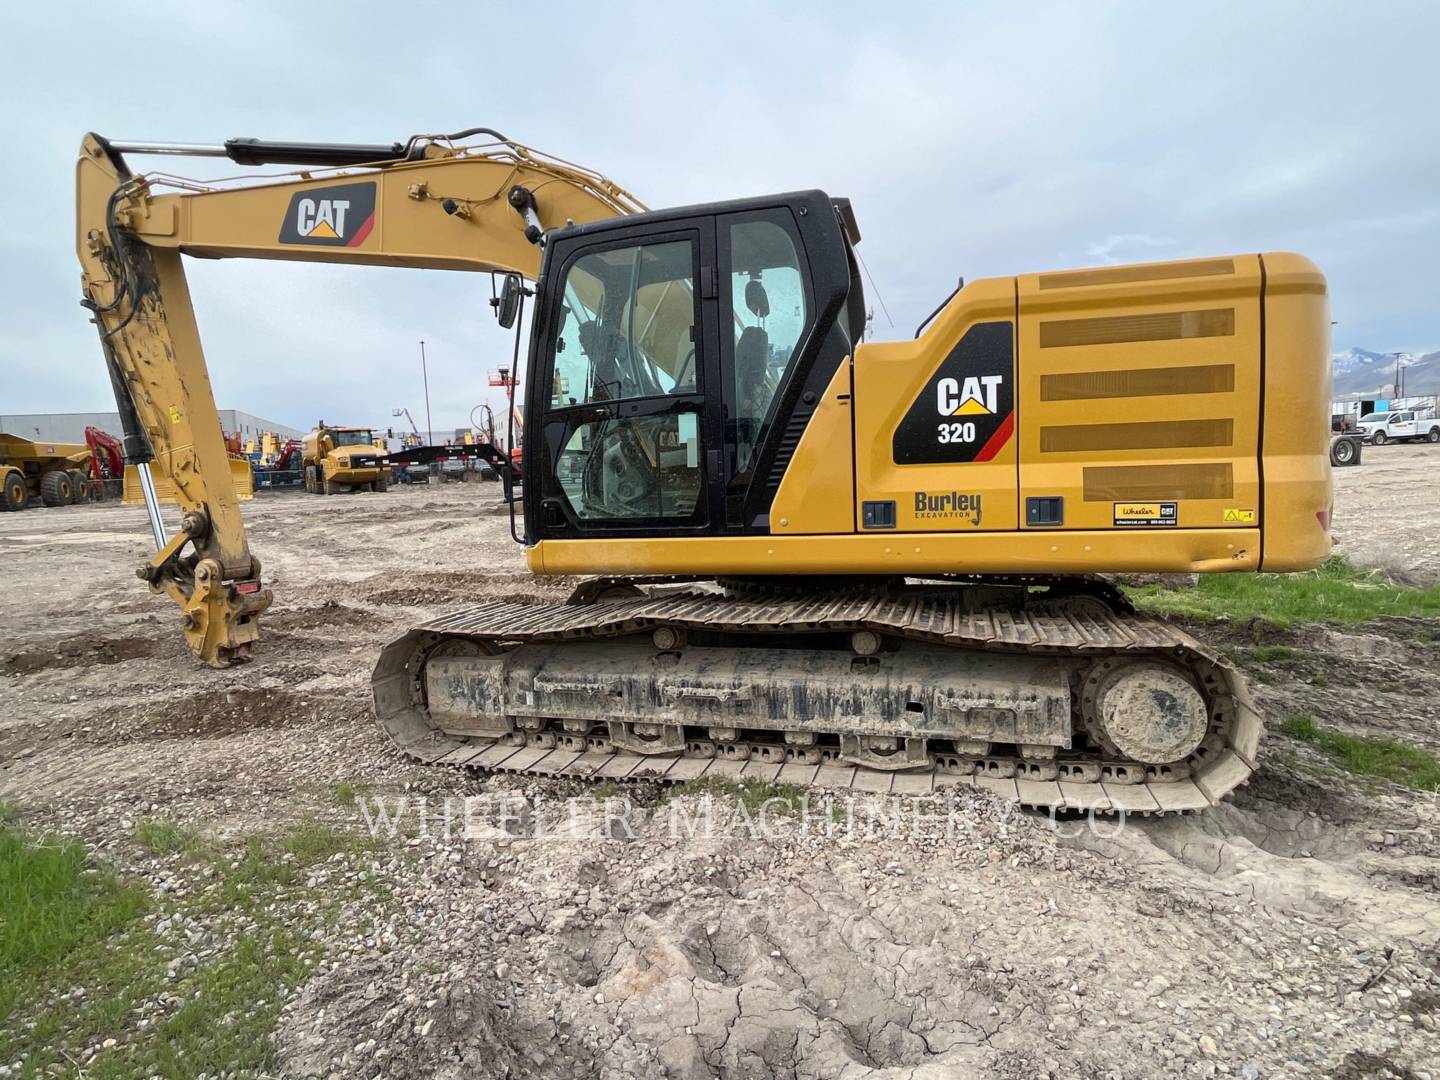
{"x":1293,"y":932}
{"x":1387,"y":514}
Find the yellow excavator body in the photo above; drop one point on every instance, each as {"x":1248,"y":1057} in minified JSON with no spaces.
{"x":1140,"y":401}
{"x":821,"y":558}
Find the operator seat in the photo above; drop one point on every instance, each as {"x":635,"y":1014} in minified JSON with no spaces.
{"x":754,"y":386}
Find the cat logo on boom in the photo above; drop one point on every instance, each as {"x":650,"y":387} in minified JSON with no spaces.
{"x":341,"y":215}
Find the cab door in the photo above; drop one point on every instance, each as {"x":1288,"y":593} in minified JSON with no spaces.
{"x":631,"y":429}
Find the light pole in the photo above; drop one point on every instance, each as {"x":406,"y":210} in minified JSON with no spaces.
{"x":425,"y":378}
{"x":1399,"y":392}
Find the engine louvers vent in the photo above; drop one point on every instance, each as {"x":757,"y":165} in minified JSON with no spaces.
{"x":1151,"y":435}
{"x":1138,"y":382}
{"x":1117,"y":329}
{"x":1152,"y":483}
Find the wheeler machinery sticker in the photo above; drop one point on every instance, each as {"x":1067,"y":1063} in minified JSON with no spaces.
{"x":1147,"y":514}
{"x":966,"y":412}
{"x":341,"y":215}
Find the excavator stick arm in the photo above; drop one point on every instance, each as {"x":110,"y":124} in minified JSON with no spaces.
{"x":141,"y":306}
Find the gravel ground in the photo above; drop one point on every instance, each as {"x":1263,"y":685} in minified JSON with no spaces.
{"x":1386,"y":513}
{"x":1293,"y":932}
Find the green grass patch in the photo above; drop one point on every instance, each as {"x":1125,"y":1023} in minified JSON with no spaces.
{"x":1383,"y":759}
{"x":160,"y":837}
{"x":752,"y":793}
{"x":78,"y":928}
{"x":1265,"y":654}
{"x":53,"y":903}
{"x":271,"y":861}
{"x":311,"y":842}
{"x":1335,"y":593}
{"x":8,"y":812}
{"x":344,"y":792}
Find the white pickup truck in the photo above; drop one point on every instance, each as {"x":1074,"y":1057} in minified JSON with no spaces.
{"x":1401,"y":424}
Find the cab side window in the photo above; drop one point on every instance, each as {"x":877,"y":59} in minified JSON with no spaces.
{"x":770,"y":312}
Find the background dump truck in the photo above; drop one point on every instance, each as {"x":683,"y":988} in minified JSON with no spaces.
{"x":32,"y":472}
{"x":343,"y":459}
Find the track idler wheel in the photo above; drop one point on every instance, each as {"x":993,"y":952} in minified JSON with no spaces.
{"x":1145,"y":710}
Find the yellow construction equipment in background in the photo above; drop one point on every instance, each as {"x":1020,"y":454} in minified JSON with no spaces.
{"x":242,"y":476}
{"x":31,"y":472}
{"x":891,"y":548}
{"x":340,"y":459}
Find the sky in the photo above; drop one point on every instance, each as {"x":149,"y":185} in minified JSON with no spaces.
{"x":974,"y":139}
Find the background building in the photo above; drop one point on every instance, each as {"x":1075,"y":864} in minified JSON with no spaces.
{"x":70,"y":427}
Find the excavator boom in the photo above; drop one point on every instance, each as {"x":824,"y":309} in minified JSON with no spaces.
{"x":424,"y":203}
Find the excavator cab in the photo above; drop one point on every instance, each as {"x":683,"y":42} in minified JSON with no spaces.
{"x":675,"y":356}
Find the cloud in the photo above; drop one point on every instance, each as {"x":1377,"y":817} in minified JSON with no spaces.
{"x":1129,"y":247}
{"x":977,"y":139}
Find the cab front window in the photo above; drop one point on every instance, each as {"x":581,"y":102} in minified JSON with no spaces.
{"x":627,"y":328}
{"x":626,"y":386}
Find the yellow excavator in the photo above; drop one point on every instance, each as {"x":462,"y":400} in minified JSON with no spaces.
{"x":811,"y":557}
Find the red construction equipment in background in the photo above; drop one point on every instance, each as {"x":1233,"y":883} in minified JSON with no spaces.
{"x":107,"y":464}
{"x":107,"y":456}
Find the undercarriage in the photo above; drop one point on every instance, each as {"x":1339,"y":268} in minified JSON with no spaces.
{"x":1051,"y":692}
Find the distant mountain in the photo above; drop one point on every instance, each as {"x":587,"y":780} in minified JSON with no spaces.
{"x":1361,"y":373}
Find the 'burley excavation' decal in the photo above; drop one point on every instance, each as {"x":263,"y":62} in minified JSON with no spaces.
{"x":338,"y":216}
{"x":967,"y":410}
{"x":952,"y":505}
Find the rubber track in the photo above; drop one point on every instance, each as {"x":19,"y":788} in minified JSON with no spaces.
{"x":1076,"y":625}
